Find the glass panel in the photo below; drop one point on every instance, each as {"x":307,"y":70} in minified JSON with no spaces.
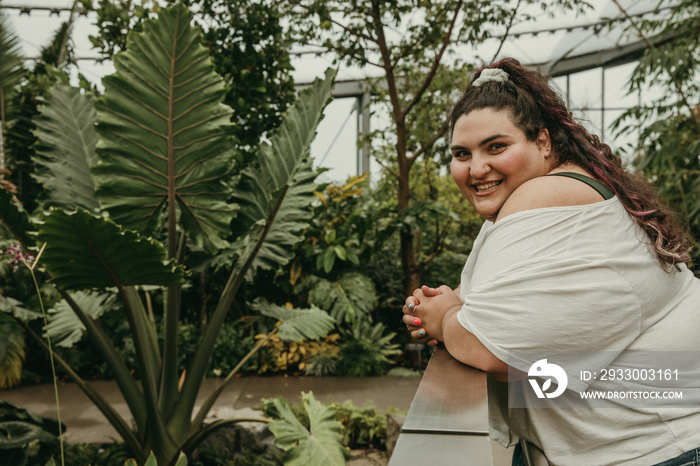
{"x":335,"y":146}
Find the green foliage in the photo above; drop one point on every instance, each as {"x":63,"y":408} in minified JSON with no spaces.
{"x":347,"y":300}
{"x":12,"y":347}
{"x":25,"y":437}
{"x":115,"y":19}
{"x":315,"y":357}
{"x":274,"y":203}
{"x":212,"y":457}
{"x":65,"y":328}
{"x":165,"y":161}
{"x":249,"y":50}
{"x":164,"y":144}
{"x":95,"y":454}
{"x":11,"y":70}
{"x":63,"y":164}
{"x":667,"y":148}
{"x":363,"y":427}
{"x":317,"y":443}
{"x":88,"y":252}
{"x":366,"y":350}
{"x":297,"y":324}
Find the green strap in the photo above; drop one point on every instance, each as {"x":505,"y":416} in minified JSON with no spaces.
{"x":593,"y":183}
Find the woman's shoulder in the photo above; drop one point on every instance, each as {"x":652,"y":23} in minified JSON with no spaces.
{"x":550,"y":191}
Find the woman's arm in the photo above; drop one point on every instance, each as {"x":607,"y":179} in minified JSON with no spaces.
{"x":438,"y":316}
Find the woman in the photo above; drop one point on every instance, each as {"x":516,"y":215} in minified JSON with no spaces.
{"x":576,"y":255}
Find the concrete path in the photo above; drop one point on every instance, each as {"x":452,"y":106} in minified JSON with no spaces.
{"x":85,"y":424}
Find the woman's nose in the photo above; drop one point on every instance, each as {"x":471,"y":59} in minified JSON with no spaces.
{"x":479,"y":167}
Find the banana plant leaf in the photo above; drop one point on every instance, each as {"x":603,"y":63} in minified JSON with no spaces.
{"x":65,"y":327}
{"x":15,"y":219}
{"x":275,"y":194}
{"x":297,"y":324}
{"x":86,"y":252}
{"x":319,"y":445}
{"x":165,"y":135}
{"x":66,"y":149}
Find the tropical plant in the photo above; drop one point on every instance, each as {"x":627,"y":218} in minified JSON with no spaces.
{"x":311,"y":439}
{"x":284,"y":356}
{"x":366,"y":351}
{"x":164,"y":174}
{"x":668,"y":127}
{"x":247,"y":44}
{"x":11,"y":70}
{"x":26,"y":437}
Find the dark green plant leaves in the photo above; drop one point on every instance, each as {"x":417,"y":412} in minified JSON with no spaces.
{"x":11,"y":68}
{"x":351,"y":298}
{"x":14,"y":307}
{"x":276,"y":192}
{"x":165,"y":146}
{"x":319,"y":445}
{"x":86,"y":252}
{"x":12,"y":346}
{"x":65,"y":328}
{"x":297,"y":324}
{"x":66,"y":149}
{"x":14,"y":218}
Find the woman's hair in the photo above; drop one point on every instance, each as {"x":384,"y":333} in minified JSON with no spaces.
{"x":534,"y":106}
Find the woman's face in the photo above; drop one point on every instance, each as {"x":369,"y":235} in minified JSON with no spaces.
{"x":491,"y":157}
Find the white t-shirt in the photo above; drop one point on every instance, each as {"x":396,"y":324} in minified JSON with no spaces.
{"x":581,"y":278}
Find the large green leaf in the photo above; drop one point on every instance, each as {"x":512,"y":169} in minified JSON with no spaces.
{"x":319,"y":445}
{"x":349,"y":299}
{"x":66,"y":149}
{"x":65,"y":327}
{"x":275,"y":193}
{"x":85,"y":252}
{"x":297,"y":324}
{"x":14,"y":218}
{"x":164,"y":134}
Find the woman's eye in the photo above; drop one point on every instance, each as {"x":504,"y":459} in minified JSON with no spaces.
{"x":461,"y":154}
{"x":497,"y":146}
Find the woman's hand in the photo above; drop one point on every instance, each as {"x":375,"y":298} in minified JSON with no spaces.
{"x":423,"y":297}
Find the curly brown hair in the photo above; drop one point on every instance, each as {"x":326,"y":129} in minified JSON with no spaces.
{"x":535,"y":106}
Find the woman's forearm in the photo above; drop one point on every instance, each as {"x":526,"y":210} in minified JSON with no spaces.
{"x":466,"y":348}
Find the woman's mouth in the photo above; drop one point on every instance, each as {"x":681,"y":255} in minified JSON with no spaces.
{"x":486,"y":187}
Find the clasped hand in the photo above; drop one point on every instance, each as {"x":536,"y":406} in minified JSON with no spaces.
{"x":424,"y":311}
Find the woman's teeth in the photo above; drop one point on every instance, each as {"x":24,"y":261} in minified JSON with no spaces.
{"x":486,"y":187}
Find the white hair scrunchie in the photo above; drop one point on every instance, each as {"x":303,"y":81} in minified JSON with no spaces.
{"x":491,"y":75}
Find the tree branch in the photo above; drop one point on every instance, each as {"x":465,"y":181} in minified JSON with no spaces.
{"x":505,"y":34}
{"x":436,"y":63}
{"x":409,"y":48}
{"x":650,"y":44}
{"x":392,"y":172}
{"x":438,"y":134}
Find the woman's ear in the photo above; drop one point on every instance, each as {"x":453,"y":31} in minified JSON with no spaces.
{"x":544,"y":143}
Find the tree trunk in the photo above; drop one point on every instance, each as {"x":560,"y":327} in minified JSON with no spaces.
{"x":409,"y":264}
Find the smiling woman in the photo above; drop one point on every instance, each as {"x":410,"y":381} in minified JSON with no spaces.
{"x":491,"y":158}
{"x":585,"y":262}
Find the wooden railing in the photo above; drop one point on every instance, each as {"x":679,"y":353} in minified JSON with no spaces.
{"x":447,"y":423}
